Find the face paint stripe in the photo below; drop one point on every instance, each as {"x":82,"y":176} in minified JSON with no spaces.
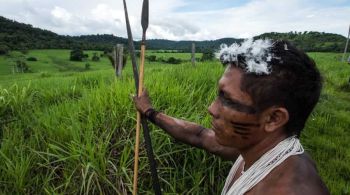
{"x":244,"y":124}
{"x":241,"y":132}
{"x":241,"y":128}
{"x":235,"y":104}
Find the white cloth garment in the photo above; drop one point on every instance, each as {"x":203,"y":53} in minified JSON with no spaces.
{"x":262,"y":167}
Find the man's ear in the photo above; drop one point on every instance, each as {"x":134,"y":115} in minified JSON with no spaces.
{"x":275,"y":118}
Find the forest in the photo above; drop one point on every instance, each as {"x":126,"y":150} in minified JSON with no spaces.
{"x":20,"y":36}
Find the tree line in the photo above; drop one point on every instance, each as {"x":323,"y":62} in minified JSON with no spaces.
{"x":20,"y":36}
{"x":311,"y":41}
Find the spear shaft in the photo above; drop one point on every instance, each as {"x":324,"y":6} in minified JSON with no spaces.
{"x":138,"y":83}
{"x":131,"y":48}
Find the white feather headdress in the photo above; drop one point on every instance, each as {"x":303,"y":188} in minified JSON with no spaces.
{"x":252,"y":56}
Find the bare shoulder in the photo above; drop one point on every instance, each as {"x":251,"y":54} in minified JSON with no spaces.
{"x":296,"y":175}
{"x":210,"y":144}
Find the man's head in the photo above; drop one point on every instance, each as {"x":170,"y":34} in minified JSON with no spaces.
{"x":275,"y":75}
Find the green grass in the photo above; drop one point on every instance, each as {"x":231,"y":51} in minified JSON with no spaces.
{"x":70,"y":132}
{"x":182,"y":56}
{"x":51,"y":63}
{"x":51,"y":60}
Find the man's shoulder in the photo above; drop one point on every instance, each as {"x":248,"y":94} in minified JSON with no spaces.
{"x":296,"y":175}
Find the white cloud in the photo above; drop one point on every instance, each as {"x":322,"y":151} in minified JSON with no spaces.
{"x":167,"y":21}
{"x":61,"y":14}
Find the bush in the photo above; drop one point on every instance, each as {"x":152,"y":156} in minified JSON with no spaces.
{"x":76,"y":55}
{"x":107,"y":51}
{"x":44,"y":74}
{"x":137,"y":54}
{"x":173,"y":60}
{"x":207,"y":56}
{"x":95,"y":58}
{"x":151,"y":58}
{"x":4,"y":49}
{"x":24,"y":51}
{"x":161,"y":59}
{"x":32,"y":59}
{"x":22,"y":66}
{"x":87,"y":66}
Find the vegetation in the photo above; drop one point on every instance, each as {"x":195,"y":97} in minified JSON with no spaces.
{"x":70,"y":132}
{"x":311,"y":41}
{"x":110,"y":56}
{"x":22,"y":66}
{"x":4,"y":49}
{"x":87,"y":66}
{"x":19,"y":36}
{"x":77,"y":55}
{"x":208,"y":55}
{"x":151,"y":58}
{"x":32,"y":59}
{"x":95,"y":57}
{"x":50,"y":61}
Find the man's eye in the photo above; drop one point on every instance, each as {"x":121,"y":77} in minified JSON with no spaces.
{"x":221,"y":93}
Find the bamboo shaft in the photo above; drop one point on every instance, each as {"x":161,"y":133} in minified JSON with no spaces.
{"x":138,"y":123}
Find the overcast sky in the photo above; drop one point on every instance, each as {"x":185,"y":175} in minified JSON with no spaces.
{"x":182,"y":19}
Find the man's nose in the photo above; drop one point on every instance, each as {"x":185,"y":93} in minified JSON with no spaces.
{"x":213,"y":109}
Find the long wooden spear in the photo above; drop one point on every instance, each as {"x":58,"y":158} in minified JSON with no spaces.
{"x":149,"y":149}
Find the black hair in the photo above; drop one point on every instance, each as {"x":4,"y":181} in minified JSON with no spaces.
{"x":294,"y":83}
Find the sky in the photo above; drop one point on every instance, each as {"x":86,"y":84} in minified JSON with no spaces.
{"x":182,"y":19}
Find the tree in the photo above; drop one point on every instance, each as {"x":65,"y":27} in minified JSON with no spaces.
{"x":173,"y":60}
{"x":151,"y":58}
{"x":4,"y":49}
{"x":32,"y":59}
{"x":22,"y":66}
{"x":76,"y":55}
{"x":207,"y":55}
{"x":95,"y":58}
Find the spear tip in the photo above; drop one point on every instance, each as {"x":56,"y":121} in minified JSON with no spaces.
{"x":144,"y":15}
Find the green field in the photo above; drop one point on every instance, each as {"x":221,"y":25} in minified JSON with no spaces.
{"x":182,"y":56}
{"x":70,"y":131}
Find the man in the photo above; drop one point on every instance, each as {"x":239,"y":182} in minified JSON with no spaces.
{"x":265,"y":97}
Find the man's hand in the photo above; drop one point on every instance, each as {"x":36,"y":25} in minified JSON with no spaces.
{"x":142,"y":103}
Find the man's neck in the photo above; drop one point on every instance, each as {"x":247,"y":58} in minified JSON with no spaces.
{"x":252,"y":154}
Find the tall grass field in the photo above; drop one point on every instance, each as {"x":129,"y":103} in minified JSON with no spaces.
{"x":66,"y":130}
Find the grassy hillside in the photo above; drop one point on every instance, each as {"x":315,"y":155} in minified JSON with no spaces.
{"x":49,"y":62}
{"x":72,"y":132}
{"x":55,"y":62}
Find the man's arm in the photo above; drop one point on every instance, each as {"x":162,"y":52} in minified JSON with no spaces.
{"x":186,"y":132}
{"x":194,"y":135}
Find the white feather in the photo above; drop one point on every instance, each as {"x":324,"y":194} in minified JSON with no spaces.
{"x":256,"y":54}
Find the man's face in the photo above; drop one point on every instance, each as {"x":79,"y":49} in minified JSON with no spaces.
{"x":235,"y":121}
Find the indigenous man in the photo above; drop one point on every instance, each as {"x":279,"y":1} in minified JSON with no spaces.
{"x":264,"y":99}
